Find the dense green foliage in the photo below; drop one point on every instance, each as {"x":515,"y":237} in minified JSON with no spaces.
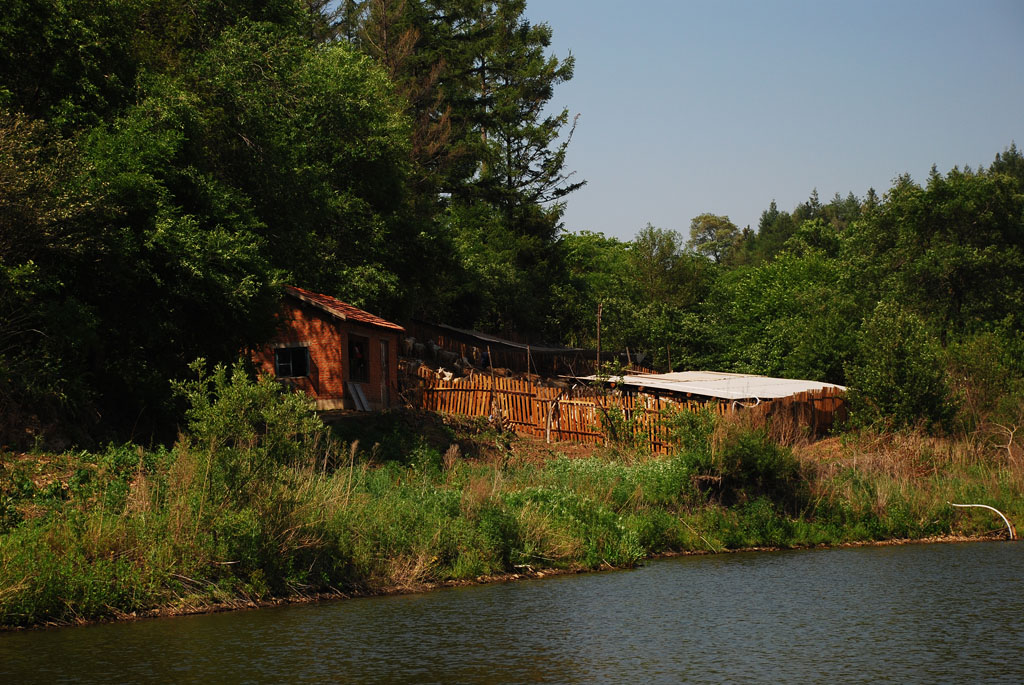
{"x":898,"y":375}
{"x":154,"y":227}
{"x":256,"y":500}
{"x":886,"y":295}
{"x":168,"y":165}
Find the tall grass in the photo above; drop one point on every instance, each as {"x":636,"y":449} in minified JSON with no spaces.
{"x":258,"y":500}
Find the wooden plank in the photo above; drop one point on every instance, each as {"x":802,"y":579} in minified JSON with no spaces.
{"x":356,"y":391}
{"x":567,"y":425}
{"x":532,"y":410}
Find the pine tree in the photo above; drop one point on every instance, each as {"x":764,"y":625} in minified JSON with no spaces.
{"x":488,"y":157}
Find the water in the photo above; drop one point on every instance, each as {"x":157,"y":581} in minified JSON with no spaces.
{"x":917,"y":613}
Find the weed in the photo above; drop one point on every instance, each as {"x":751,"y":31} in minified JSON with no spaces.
{"x":265,"y":502}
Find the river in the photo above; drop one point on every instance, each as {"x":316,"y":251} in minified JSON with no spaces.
{"x":911,"y":613}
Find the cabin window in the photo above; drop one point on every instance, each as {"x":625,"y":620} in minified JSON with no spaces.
{"x":291,"y":362}
{"x":358,"y":349}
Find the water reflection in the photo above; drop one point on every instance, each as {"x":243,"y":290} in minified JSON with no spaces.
{"x":908,"y":614}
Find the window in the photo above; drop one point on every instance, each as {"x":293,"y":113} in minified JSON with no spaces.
{"x":358,"y":349}
{"x":291,"y":362}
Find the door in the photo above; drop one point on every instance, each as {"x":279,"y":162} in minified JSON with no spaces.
{"x":385,"y":373}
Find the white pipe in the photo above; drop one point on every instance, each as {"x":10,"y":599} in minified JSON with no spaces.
{"x":1009,"y":527}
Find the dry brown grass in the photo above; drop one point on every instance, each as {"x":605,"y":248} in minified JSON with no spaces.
{"x":544,"y":541}
{"x":451,"y":456}
{"x":479,"y":491}
{"x":908,"y":455}
{"x":1006,"y":440}
{"x":782,"y":432}
{"x":140,"y":495}
{"x":410,"y":571}
{"x":901,"y":456}
{"x":910,"y":466}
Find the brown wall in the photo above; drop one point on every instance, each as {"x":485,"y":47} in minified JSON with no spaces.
{"x":327,"y":340}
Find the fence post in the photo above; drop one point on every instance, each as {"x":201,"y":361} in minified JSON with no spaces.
{"x":490,"y":363}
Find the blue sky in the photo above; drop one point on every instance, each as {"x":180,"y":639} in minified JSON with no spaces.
{"x":691,"y":107}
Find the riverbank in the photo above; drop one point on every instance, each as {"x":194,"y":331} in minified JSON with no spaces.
{"x":262,"y":507}
{"x":506,"y":521}
{"x":529,"y":574}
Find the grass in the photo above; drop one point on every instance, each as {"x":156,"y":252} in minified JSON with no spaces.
{"x":277,"y":506}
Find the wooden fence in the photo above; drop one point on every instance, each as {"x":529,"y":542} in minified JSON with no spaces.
{"x":590,"y":415}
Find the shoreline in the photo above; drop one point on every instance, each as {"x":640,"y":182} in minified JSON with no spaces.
{"x":529,"y":574}
{"x":126,"y":533}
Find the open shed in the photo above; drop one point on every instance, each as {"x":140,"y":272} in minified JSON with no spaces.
{"x":719,"y":385}
{"x":342,"y":356}
{"x":804,"y":406}
{"x":485,"y":349}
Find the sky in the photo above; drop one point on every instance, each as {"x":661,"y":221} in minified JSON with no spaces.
{"x":722,"y":106}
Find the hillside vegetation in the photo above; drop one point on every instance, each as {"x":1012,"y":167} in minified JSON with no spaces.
{"x":258,"y":501}
{"x":167,"y":166}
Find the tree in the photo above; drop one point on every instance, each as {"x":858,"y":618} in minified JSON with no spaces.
{"x":1011,"y":163}
{"x":316,"y":141}
{"x":953,"y":250}
{"x":794,"y":317}
{"x":646,"y":287}
{"x":713,"y":236}
{"x":841,"y":211}
{"x":415,"y":43}
{"x":161,"y":235}
{"x":815,"y":234}
{"x":522,"y":166}
{"x":477,"y":80}
{"x":67,"y":61}
{"x":44,"y":217}
{"x":597,"y":270}
{"x":773,"y":230}
{"x":898,"y":376}
{"x":664,"y":271}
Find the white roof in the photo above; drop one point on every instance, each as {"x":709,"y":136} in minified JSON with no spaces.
{"x":729,"y":386}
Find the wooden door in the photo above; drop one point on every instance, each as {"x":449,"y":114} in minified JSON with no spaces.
{"x":385,"y":373}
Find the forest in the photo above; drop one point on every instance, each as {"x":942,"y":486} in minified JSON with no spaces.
{"x":168,"y":165}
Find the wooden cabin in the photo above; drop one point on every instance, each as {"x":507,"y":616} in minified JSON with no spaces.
{"x":343,"y":357}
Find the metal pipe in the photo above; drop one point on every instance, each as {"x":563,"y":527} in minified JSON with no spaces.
{"x":1009,"y":526}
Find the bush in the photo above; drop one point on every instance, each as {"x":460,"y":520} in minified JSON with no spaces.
{"x":898,"y":378}
{"x":988,"y":376}
{"x":243,"y":430}
{"x":691,"y":431}
{"x":751,"y":466}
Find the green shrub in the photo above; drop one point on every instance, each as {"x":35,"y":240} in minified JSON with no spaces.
{"x":898,"y":377}
{"x":751,"y":466}
{"x":691,"y":431}
{"x":245,"y":430}
{"x":501,"y":534}
{"x":988,"y":373}
{"x":598,"y":529}
{"x":664,"y":482}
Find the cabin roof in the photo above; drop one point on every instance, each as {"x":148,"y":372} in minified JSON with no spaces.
{"x":340,"y":310}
